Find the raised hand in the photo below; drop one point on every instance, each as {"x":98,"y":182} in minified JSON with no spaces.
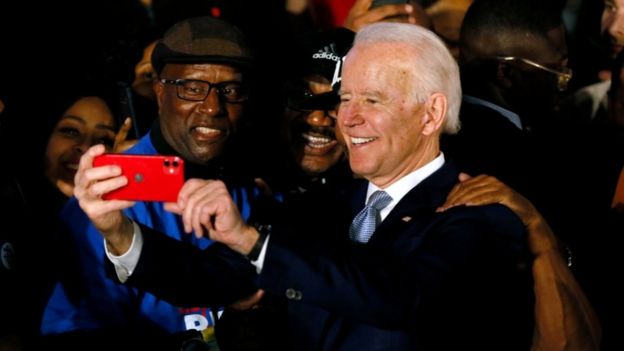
{"x":121,"y":142}
{"x":207,"y":208}
{"x":361,"y":15}
{"x":93,"y":182}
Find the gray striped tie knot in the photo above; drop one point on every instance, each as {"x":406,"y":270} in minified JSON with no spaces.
{"x":365,"y":223}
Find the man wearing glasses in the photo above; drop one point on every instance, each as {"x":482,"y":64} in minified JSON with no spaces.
{"x":513,"y":62}
{"x":202,"y":66}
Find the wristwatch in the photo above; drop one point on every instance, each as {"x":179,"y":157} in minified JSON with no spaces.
{"x":264,"y":231}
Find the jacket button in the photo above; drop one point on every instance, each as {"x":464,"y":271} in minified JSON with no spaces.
{"x":293,"y":294}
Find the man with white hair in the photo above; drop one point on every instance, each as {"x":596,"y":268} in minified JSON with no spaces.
{"x":380,"y":269}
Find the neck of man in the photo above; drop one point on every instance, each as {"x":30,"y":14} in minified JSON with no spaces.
{"x":427,"y":152}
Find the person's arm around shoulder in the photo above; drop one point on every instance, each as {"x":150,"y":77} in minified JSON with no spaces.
{"x":564,"y":317}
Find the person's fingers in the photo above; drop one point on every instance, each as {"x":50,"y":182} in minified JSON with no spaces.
{"x":462,"y":192}
{"x":464,"y":176}
{"x":458,"y":190}
{"x":195,"y":200}
{"x":465,"y":182}
{"x":486,"y":189}
{"x":186,"y":200}
{"x":361,"y":6}
{"x":485,"y":197}
{"x":200,"y":213}
{"x":100,"y":188}
{"x":101,"y":173}
{"x":189,"y":187}
{"x":471,"y":187}
{"x":387,"y":11}
{"x":122,"y":134}
{"x":87,"y":175}
{"x":205,"y":217}
{"x":86,"y":160}
{"x":213,"y":199}
{"x":463,"y":196}
{"x":198,"y":201}
{"x":359,"y":9}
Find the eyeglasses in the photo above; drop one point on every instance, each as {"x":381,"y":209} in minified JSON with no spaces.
{"x":563,"y":76}
{"x":198,"y":90}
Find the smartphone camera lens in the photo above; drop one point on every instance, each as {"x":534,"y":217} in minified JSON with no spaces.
{"x":166,"y":163}
{"x":175,"y":163}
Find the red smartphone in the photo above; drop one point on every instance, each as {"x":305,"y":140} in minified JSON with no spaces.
{"x":150,"y":177}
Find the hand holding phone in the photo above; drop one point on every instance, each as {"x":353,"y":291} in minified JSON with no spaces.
{"x":150,"y":177}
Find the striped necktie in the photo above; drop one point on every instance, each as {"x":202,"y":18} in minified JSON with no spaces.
{"x":365,"y":223}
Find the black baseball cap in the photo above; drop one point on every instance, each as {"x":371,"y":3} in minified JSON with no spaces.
{"x":319,"y":53}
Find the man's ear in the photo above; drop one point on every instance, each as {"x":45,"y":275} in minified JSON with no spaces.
{"x":435,"y":113}
{"x":503,"y":74}
{"x":159,"y":89}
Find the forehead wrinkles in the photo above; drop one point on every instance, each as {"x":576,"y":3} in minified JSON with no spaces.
{"x":381,"y":68}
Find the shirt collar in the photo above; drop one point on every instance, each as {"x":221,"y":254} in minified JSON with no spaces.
{"x":513,"y":117}
{"x":398,"y":189}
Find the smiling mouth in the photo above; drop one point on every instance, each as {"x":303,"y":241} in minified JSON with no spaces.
{"x":317,"y":142}
{"x":355,"y":141}
{"x":206,"y":134}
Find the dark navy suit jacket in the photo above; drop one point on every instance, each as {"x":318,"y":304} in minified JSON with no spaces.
{"x":425,"y":281}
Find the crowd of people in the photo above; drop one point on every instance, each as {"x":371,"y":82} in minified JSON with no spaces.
{"x":413,"y":175}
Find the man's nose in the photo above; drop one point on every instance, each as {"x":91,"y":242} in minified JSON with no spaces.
{"x":349,"y":114}
{"x":212,"y":104}
{"x":319,"y":118}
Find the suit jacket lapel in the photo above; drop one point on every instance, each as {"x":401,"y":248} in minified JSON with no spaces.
{"x":421,"y":201}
